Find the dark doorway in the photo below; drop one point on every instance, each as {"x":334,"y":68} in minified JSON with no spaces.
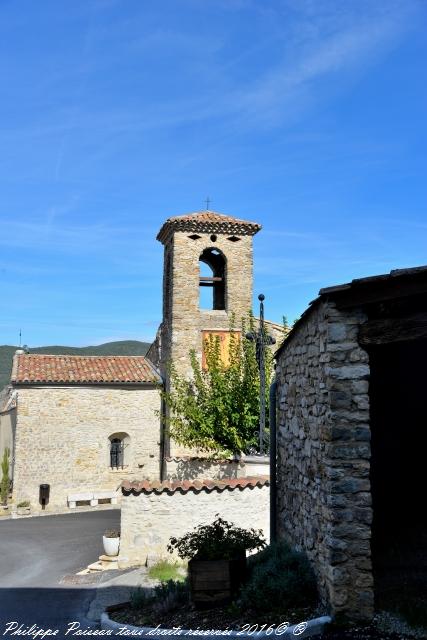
{"x":398,"y":398}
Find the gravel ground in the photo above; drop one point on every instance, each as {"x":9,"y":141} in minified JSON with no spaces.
{"x":384,"y":627}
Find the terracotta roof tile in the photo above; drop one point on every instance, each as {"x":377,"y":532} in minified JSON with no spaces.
{"x":203,"y":459}
{"x":184,"y":486}
{"x":207,"y":222}
{"x":66,"y":369}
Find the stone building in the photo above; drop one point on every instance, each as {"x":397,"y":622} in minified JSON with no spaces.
{"x":82,"y":425}
{"x":66,"y":417}
{"x":351,"y":465}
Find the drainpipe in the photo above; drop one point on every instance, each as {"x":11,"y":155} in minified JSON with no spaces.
{"x":273,"y":454}
{"x":164,"y":440}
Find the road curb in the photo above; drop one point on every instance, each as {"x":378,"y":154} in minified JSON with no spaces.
{"x":302,"y":630}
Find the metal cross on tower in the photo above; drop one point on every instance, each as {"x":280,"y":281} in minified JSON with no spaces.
{"x":261,"y":339}
{"x":208,"y":201}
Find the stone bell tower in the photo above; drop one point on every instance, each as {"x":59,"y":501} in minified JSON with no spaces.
{"x":207,"y":279}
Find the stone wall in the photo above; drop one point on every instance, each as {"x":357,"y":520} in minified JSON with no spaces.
{"x":190,"y":468}
{"x":152,"y":513}
{"x":62,"y":438}
{"x":324,"y":500}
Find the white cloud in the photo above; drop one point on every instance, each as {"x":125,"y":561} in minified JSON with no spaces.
{"x":321,"y":46}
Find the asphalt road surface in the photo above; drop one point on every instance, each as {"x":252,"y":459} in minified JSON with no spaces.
{"x":35,"y":555}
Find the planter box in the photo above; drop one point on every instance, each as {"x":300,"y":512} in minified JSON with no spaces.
{"x":23,"y":511}
{"x":215,"y":582}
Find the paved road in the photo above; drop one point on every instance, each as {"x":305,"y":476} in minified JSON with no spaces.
{"x":35,"y":554}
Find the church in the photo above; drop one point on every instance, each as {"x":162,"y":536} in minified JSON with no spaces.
{"x":81,"y":425}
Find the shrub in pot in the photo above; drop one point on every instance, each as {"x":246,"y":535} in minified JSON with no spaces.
{"x":111,"y":542}
{"x":217,"y":560}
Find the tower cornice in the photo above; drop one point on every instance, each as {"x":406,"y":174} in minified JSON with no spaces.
{"x":207,"y":222}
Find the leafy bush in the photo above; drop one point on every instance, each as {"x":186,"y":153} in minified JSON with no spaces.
{"x":218,"y":409}
{"x":23,"y":505}
{"x":283,"y":577}
{"x":220,"y":540}
{"x":5,"y":481}
{"x":112,"y":533}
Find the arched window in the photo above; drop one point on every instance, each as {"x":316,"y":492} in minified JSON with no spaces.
{"x":212,"y":279}
{"x":118,"y":444}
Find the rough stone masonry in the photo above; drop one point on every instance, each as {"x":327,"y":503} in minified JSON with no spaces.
{"x":324,"y":499}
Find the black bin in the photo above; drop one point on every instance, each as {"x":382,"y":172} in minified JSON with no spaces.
{"x":44,"y":494}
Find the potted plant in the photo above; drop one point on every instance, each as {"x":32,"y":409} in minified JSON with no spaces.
{"x":23,"y":508}
{"x":217,"y":560}
{"x":111,"y":542}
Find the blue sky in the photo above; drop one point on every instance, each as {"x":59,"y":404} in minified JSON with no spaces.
{"x":308,"y":117}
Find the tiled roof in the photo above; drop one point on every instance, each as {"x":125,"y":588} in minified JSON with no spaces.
{"x":183,"y":486}
{"x":202,"y":459}
{"x":208,"y":222}
{"x":44,"y":369}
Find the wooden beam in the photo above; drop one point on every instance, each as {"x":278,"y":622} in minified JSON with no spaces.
{"x":388,"y":330}
{"x":358,"y":295}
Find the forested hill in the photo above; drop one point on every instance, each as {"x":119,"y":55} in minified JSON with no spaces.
{"x":120,"y":348}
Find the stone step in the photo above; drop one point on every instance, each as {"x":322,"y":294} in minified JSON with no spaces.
{"x":108,"y":566}
{"x":105,"y":558}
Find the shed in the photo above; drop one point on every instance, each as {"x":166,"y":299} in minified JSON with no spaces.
{"x":351,"y":464}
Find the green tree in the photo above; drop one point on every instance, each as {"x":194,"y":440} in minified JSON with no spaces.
{"x":5,"y":481}
{"x":217,"y":410}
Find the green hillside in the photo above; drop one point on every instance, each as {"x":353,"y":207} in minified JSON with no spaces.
{"x":121,"y":348}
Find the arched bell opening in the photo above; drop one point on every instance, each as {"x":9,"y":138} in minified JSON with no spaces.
{"x":212,"y":279}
